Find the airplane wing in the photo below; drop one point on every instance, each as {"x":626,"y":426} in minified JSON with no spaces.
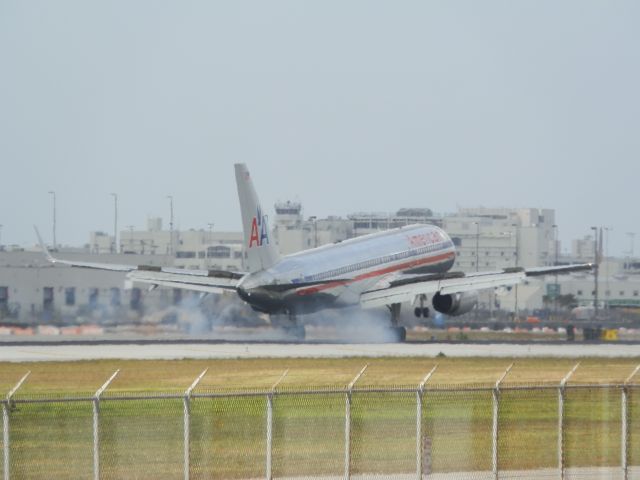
{"x":208,"y":281}
{"x":406,"y":287}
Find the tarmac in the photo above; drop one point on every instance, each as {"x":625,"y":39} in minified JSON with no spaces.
{"x":163,"y":350}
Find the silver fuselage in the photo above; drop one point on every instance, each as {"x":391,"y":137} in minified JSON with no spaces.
{"x":347,"y":269}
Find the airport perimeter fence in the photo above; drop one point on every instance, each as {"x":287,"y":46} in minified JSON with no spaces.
{"x":425,"y":431}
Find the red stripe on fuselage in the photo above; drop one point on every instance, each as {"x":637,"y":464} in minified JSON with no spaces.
{"x":377,"y":273}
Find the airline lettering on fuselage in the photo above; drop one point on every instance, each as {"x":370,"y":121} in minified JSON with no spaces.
{"x":259,"y":230}
{"x":424,"y":239}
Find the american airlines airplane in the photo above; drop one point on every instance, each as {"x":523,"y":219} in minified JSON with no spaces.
{"x":408,"y":264}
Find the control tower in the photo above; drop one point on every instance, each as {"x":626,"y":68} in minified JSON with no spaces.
{"x":288,"y":214}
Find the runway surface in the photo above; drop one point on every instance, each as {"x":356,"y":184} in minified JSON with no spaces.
{"x":174,"y":351}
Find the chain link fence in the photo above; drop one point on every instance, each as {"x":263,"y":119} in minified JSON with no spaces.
{"x":426,"y":431}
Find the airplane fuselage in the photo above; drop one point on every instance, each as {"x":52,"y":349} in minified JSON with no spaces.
{"x":334,"y":276}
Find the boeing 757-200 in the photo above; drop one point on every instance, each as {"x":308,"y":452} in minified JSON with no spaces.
{"x":408,"y":264}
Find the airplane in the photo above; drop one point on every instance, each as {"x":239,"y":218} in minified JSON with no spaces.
{"x":388,"y":268}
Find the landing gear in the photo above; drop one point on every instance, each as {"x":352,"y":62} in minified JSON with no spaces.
{"x":296,"y":331}
{"x":288,"y":324}
{"x":422,"y":311}
{"x":398,"y":334}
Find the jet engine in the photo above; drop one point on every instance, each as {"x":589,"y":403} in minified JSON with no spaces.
{"x":455,"y":304}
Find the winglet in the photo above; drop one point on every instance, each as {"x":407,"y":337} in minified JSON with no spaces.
{"x":44,"y":248}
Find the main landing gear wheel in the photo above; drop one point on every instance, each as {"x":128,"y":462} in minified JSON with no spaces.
{"x":288,"y":325}
{"x":295,"y":331}
{"x":398,"y":334}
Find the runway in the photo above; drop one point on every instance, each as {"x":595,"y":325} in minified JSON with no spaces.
{"x":175,"y":351}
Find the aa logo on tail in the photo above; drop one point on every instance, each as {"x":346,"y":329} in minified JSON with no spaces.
{"x":259,"y":230}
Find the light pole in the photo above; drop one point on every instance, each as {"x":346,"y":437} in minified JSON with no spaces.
{"x":170,"y":197}
{"x":607,"y":293}
{"x":210,"y":225}
{"x":632,"y":237}
{"x":515,"y":264}
{"x":114,"y":249}
{"x":595,"y":273}
{"x":556,"y":289}
{"x":53,"y":194}
{"x":314,"y":219}
{"x":477,"y":224}
{"x":130,"y":227}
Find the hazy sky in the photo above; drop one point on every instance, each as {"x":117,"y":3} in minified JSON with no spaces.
{"x":343,"y":105}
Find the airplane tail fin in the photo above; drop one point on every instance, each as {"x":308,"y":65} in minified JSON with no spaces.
{"x":261,"y":252}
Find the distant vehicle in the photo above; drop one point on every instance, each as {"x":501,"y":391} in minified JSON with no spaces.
{"x":582,"y":313}
{"x":388,"y":268}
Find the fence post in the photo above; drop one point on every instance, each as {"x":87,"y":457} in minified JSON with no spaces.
{"x":6,"y":441}
{"x":625,"y":434}
{"x":96,"y":425}
{"x":269,"y":471}
{"x":561,"y":388}
{"x":186,"y":404}
{"x":419,"y":399}
{"x":5,"y":438}
{"x":347,"y":424}
{"x":625,"y":424}
{"x":496,"y":413}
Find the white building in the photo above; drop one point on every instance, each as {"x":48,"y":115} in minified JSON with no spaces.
{"x":293,"y":233}
{"x":101,"y":243}
{"x":192,"y":249}
{"x":583,"y":249}
{"x":496,"y":238}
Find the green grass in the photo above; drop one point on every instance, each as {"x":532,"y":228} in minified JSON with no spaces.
{"x":144,"y":438}
{"x":176,"y":376}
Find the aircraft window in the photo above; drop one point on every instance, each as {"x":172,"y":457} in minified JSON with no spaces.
{"x":70,"y":296}
{"x":135,"y":301}
{"x":622,"y":293}
{"x":219,"y":251}
{"x":93,"y":297}
{"x":579,"y":292}
{"x":636,"y":293}
{"x":115,"y":297}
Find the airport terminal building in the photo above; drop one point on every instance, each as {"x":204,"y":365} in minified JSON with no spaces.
{"x":486,"y":238}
